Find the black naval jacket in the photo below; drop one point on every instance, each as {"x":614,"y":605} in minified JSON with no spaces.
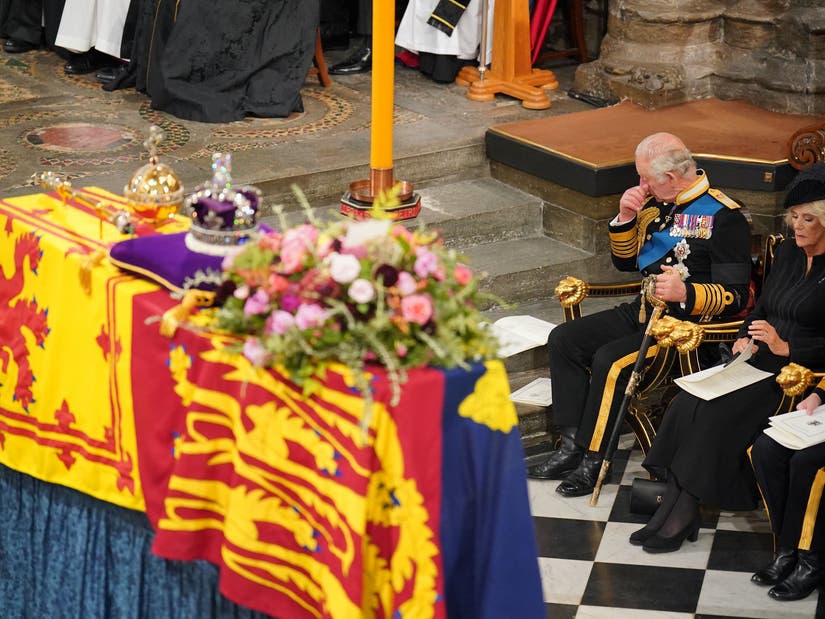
{"x":715,"y":249}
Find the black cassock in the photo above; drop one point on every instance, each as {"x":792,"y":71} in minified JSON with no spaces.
{"x":223,"y":61}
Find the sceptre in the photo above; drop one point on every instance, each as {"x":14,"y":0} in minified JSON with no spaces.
{"x":659,"y":307}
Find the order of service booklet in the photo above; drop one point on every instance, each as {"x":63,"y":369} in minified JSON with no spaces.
{"x":538,"y":392}
{"x":722,"y":379}
{"x":519,"y":333}
{"x":797,"y":429}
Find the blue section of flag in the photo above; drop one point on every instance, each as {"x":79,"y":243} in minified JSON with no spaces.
{"x":487,"y":537}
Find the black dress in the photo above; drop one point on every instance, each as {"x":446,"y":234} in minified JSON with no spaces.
{"x":704,"y":443}
{"x":211,"y":62}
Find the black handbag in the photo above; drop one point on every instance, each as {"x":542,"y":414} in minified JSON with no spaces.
{"x":646,"y":495}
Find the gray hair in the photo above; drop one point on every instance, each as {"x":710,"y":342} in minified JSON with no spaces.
{"x":817,"y":209}
{"x":666,"y":153}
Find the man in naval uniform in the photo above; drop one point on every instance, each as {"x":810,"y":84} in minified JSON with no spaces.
{"x":696,"y":242}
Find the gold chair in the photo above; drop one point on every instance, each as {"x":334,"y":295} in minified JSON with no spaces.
{"x":677,"y":340}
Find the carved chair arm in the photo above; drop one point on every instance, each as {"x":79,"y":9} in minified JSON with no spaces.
{"x":571,"y":291}
{"x":795,"y":381}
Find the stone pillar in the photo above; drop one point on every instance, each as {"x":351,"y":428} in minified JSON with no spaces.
{"x":659,"y":52}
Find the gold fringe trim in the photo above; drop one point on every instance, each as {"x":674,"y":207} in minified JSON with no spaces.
{"x":87,"y":263}
{"x":174,"y":316}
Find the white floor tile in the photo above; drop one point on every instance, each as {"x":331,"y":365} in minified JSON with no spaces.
{"x":563,"y":580}
{"x":733,"y":594}
{"x":606,"y":612}
{"x":755,"y":521}
{"x":615,"y":548}
{"x":545,"y":501}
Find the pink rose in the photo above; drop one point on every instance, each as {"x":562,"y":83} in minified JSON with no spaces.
{"x":426,"y":262}
{"x":292,"y":255}
{"x":344,"y":268}
{"x":241,"y":292}
{"x":462,"y":274}
{"x":277,"y":283}
{"x":417,"y":308}
{"x":361,"y":291}
{"x":310,"y":315}
{"x":400,"y":350}
{"x":279,"y":322}
{"x":406,"y":283}
{"x":254,"y":351}
{"x":257,"y":303}
{"x":270,"y":241}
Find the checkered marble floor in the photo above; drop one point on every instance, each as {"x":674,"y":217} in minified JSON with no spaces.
{"x":590,"y":571}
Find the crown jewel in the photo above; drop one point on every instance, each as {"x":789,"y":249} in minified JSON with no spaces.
{"x":154,"y":192}
{"x":222,"y":217}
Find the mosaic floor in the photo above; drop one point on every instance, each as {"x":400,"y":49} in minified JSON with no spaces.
{"x":68,"y":124}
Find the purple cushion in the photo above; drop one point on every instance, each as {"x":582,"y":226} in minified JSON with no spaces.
{"x":165,"y":259}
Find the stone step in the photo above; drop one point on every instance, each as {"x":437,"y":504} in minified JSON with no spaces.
{"x":528,"y":269}
{"x":329,"y":184}
{"x":466,"y":211}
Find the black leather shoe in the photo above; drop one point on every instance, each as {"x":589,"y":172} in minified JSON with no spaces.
{"x":16,"y":46}
{"x":562,"y":461}
{"x":801,"y":582}
{"x":110,"y":73}
{"x":583,"y":479}
{"x":359,"y":62}
{"x":778,"y":569}
{"x":86,"y":62}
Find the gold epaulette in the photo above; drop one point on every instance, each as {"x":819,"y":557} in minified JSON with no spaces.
{"x":645,"y":216}
{"x":722,"y":197}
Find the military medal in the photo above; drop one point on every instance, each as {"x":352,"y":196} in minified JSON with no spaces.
{"x":692,"y":226}
{"x":681,"y":251}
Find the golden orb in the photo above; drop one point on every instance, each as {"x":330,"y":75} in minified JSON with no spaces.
{"x":154,"y":192}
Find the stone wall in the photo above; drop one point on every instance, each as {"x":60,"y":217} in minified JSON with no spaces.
{"x":659,"y":52}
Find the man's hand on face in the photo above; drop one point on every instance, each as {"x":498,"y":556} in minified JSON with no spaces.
{"x":632,"y":201}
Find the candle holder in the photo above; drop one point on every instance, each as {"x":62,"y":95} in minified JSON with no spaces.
{"x":358,"y":201}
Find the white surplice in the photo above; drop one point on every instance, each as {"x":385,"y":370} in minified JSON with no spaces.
{"x":416,"y":35}
{"x":93,"y":23}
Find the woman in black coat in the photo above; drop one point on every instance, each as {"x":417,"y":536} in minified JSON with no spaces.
{"x":792,"y":482}
{"x":700,"y":447}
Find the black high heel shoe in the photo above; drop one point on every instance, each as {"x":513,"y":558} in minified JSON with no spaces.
{"x":778,"y":569}
{"x":660,"y":516}
{"x":638,"y":538}
{"x":658,"y":544}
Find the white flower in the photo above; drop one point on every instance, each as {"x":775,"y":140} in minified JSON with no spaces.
{"x":343,"y":268}
{"x":361,"y":291}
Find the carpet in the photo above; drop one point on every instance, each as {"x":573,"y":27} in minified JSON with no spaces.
{"x":740,"y":145}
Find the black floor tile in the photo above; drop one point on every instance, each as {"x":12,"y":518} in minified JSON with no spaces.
{"x":561,"y":611}
{"x":562,"y":538}
{"x":644,"y":587}
{"x":700,"y":616}
{"x":740,"y":551}
{"x":621,"y":508}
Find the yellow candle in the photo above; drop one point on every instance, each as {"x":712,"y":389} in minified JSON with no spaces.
{"x":383,"y":67}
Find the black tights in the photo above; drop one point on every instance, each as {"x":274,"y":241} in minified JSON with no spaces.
{"x":678,"y":510}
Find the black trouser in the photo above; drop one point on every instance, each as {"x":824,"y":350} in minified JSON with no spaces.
{"x":28,"y":18}
{"x":792,"y":482}
{"x":591,"y":360}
